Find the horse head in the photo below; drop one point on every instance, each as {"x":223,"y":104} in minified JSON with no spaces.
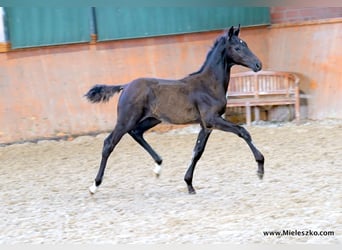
{"x":239,"y":53}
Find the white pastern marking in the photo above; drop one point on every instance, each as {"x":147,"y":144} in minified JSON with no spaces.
{"x":157,"y":169}
{"x":93,"y":188}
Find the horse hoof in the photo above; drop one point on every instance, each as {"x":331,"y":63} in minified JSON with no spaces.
{"x":92,"y":188}
{"x":157,"y":170}
{"x":260,"y":175}
{"x":191,"y":190}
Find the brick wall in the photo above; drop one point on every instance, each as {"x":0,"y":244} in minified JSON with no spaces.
{"x":285,"y":15}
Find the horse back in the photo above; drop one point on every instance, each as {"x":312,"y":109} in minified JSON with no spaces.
{"x":170,"y":101}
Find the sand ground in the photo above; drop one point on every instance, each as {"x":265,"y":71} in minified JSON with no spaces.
{"x":44,"y":189}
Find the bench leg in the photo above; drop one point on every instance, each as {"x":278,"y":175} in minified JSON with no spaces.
{"x":248,"y":115}
{"x":256,"y":113}
{"x":297,"y":112}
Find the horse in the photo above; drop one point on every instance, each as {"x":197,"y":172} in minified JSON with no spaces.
{"x":198,"y":98}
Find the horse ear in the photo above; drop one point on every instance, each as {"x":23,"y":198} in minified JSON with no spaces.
{"x":230,"y":32}
{"x":237,"y":31}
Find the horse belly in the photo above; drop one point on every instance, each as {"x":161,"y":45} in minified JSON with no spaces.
{"x":175,"y":109}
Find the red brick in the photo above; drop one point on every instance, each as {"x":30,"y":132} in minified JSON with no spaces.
{"x":292,"y":14}
{"x":308,"y":12}
{"x":277,"y":17}
{"x":283,"y":14}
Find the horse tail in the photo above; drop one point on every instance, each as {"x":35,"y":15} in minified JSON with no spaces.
{"x":102,"y":93}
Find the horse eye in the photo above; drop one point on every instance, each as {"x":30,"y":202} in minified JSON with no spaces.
{"x":237,"y":48}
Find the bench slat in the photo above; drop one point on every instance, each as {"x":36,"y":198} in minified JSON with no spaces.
{"x":263,"y":88}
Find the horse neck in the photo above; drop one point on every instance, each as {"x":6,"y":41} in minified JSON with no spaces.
{"x":219,"y":67}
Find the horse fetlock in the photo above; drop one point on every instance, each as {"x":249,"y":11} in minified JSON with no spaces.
{"x":191,"y":190}
{"x":93,"y":188}
{"x":260,"y":174}
{"x":98,"y":181}
{"x":188,"y":181}
{"x":261,"y":170}
{"x":159,"y":160}
{"x":157,"y":169}
{"x":261,"y":159}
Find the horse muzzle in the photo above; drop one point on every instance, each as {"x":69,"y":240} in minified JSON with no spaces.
{"x":257,"y":67}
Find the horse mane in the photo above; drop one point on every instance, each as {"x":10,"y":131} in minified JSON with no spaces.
{"x":216,"y":43}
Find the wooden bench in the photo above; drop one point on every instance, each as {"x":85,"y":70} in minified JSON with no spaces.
{"x":264,"y":88}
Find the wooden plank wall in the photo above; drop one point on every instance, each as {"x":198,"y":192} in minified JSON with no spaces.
{"x":313,"y":50}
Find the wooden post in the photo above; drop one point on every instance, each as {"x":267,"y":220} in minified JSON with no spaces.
{"x":297,"y":104}
{"x":248,"y":114}
{"x":256,"y":113}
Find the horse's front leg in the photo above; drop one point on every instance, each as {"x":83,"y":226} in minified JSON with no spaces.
{"x":224,"y":125}
{"x":197,"y":153}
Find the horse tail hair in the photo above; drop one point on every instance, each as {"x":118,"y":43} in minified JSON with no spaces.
{"x":102,"y":93}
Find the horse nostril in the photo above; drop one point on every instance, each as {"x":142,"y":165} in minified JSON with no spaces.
{"x":258,"y":66}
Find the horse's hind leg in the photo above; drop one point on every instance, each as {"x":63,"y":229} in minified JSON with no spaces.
{"x":137,"y":134}
{"x":108,"y":146}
